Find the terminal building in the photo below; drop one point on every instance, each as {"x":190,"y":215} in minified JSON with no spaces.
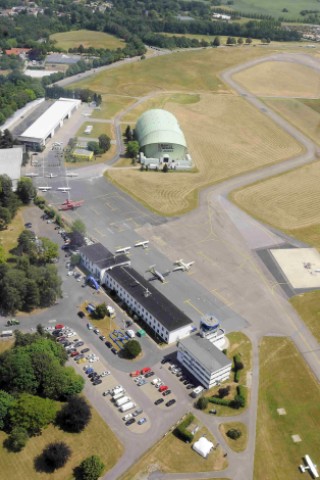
{"x":48,"y":123}
{"x":114,"y":272}
{"x":162,"y":141}
{"x":204,"y":361}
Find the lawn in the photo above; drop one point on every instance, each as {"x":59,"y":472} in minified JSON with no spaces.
{"x":274,"y":8}
{"x":221,"y":148}
{"x":308,"y":307}
{"x":87,"y":38}
{"x":99,"y":128}
{"x":285,"y":382}
{"x":280,"y":78}
{"x":173,"y":455}
{"x":96,"y":439}
{"x":240,"y":444}
{"x":111,"y":105}
{"x":289,"y":201}
{"x":8,"y":238}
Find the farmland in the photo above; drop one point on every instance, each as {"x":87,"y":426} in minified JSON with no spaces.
{"x":87,"y":38}
{"x":274,"y":8}
{"x":280,"y":79}
{"x":220,"y":149}
{"x":282,"y":374}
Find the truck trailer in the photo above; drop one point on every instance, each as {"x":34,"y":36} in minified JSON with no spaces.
{"x":119,"y":395}
{"x":115,"y":391}
{"x":122,"y":401}
{"x":127,"y":406}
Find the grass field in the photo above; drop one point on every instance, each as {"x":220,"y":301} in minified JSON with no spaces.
{"x":274,"y":8}
{"x":221,"y":148}
{"x":97,"y":130}
{"x":280,"y":78}
{"x":8,"y":238}
{"x":240,"y":444}
{"x":111,"y":105}
{"x":285,"y":382}
{"x":173,"y":455}
{"x":87,"y":38}
{"x":289,"y":201}
{"x":303,"y":114}
{"x":96,"y":439}
{"x":208,"y":38}
{"x":308,"y":307}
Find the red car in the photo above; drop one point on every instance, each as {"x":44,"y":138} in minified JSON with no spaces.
{"x":59,"y":326}
{"x":145,"y":370}
{"x":136,"y":373}
{"x":163,"y":388}
{"x":74,"y":354}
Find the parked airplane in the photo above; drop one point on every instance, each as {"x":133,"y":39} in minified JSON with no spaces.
{"x":71,"y":205}
{"x":309,"y":466}
{"x":123,"y":250}
{"x":51,"y":175}
{"x":156,"y":274}
{"x":181,"y":265}
{"x":32,"y":175}
{"x":44,"y":189}
{"x":64,"y":189}
{"x":72,"y":174}
{"x":143,"y":244}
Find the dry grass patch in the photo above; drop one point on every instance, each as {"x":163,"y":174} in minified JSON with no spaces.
{"x":280,"y":78}
{"x":6,"y":344}
{"x":96,"y":439}
{"x":97,"y":130}
{"x":174,"y":456}
{"x":286,"y":382}
{"x":221,"y":148}
{"x":288,"y":201}
{"x":308,"y":307}
{"x":87,"y":38}
{"x":240,"y":444}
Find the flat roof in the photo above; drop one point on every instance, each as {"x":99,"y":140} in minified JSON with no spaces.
{"x":102,"y":257}
{"x":170,"y":316}
{"x":10,"y":162}
{"x":205,"y":352}
{"x":50,"y":119}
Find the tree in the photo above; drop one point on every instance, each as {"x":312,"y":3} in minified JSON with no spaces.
{"x":5,"y":217}
{"x":240,"y":41}
{"x":26,"y":190}
{"x":17,"y":439}
{"x":6,"y":400}
{"x":78,"y":226}
{"x":16,"y":371}
{"x":32,"y":413}
{"x":56,"y":455}
{"x":94,"y":147}
{"x":91,"y":468}
{"x":48,"y":250}
{"x":202,"y":403}
{"x":234,"y":433}
{"x":74,"y":415}
{"x":224,"y":391}
{"x":248,"y":41}
{"x":216,"y":42}
{"x":132,"y":348}
{"x":165,"y":168}
{"x":101,"y":311}
{"x":6,"y":139}
{"x":104,"y":143}
{"x":128,"y":134}
{"x":132,"y":149}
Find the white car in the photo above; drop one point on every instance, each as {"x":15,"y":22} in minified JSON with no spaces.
{"x":105,"y":373}
{"x":127,"y":417}
{"x":70,"y":273}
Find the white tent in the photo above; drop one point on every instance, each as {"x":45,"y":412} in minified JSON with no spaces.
{"x":203,"y":447}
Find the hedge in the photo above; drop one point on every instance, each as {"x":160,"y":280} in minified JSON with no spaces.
{"x":181,"y":430}
{"x":236,"y":376}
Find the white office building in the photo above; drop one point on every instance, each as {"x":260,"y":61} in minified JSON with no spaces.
{"x":10,"y":163}
{"x":204,"y":361}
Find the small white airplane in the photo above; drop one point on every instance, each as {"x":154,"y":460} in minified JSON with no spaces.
{"x":309,"y":466}
{"x":44,"y":189}
{"x":123,"y":250}
{"x":156,"y":274}
{"x":181,"y":265}
{"x":72,"y":174}
{"x":64,"y":189}
{"x":143,"y":244}
{"x":51,"y":175}
{"x":32,"y":175}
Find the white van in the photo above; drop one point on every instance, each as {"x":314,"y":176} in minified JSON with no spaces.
{"x":130,"y":333}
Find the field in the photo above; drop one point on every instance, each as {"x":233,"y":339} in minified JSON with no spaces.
{"x":274,"y":8}
{"x":219,"y":149}
{"x":96,"y":439}
{"x":208,"y":38}
{"x":288,"y":201}
{"x":99,"y":128}
{"x":111,"y":105}
{"x":87,"y":38}
{"x":280,"y":78}
{"x":285,"y":382}
{"x":308,"y":307}
{"x":240,"y":444}
{"x":303,"y":114}
{"x":8,"y":238}
{"x":173,"y":455}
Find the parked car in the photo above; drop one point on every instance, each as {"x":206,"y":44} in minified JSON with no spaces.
{"x":89,"y":326}
{"x":149,"y":374}
{"x":127,"y":417}
{"x":130,"y":422}
{"x":107,"y":392}
{"x":171,"y":402}
{"x":160,"y":400}
{"x":105,"y":373}
{"x":74,"y":354}
{"x":92,"y":374}
{"x":137,"y":412}
{"x":89,"y":370}
{"x":142,"y":421}
{"x":166,"y":392}
{"x":114,"y":350}
{"x":96,"y":331}
{"x":97,"y":382}
{"x":163,"y":361}
{"x":79,"y":357}
{"x":85,"y":350}
{"x":78,"y":344}
{"x":142,"y":382}
{"x":80,"y":314}
{"x":163,"y":388}
{"x":108,"y":344}
{"x":102,"y":337}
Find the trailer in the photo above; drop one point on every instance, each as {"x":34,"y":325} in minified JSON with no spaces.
{"x":122,"y":401}
{"x":119,"y":395}
{"x":115,"y":391}
{"x":127,"y":406}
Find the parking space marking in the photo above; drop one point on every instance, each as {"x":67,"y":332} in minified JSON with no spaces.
{"x":227,"y":302}
{"x":112,"y":208}
{"x":188,"y":301}
{"x":100,"y":233}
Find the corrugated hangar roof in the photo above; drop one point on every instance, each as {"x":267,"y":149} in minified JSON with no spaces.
{"x":50,"y":119}
{"x":159,"y":126}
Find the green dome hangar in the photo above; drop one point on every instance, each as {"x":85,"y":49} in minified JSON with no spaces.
{"x":161,"y":141}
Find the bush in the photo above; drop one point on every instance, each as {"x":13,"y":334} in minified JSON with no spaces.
{"x":224,"y":391}
{"x":56,"y":455}
{"x":132,"y":349}
{"x":234,"y":433}
{"x":220,"y":401}
{"x":237,"y":402}
{"x":236,"y":376}
{"x":181,"y":430}
{"x":238,"y":365}
{"x":90,"y":469}
{"x":202,"y":403}
{"x":17,"y":439}
{"x":74,"y":415}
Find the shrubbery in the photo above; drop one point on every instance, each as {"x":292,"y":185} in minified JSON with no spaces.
{"x":239,"y":401}
{"x":234,"y":433}
{"x":202,"y":403}
{"x":181,"y":430}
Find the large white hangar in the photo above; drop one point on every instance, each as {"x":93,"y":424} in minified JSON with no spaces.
{"x":162,"y":141}
{"x":46,"y":125}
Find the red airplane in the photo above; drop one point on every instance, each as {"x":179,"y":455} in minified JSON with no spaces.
{"x":70,"y":205}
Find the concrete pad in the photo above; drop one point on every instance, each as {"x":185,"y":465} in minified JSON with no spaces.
{"x":296,"y":438}
{"x":301,"y":266}
{"x":281,"y":411}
